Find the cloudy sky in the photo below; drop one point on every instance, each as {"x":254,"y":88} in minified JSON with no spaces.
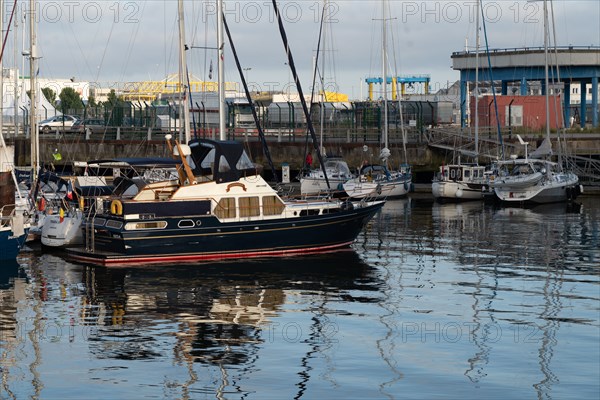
{"x":109,"y":40}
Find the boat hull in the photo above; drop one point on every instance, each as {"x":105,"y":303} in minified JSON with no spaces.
{"x":215,"y":240}
{"x":360,"y":188}
{"x":561,"y":188}
{"x":59,"y":234}
{"x":449,"y":190}
{"x":316,"y":185}
{"x":11,"y":245}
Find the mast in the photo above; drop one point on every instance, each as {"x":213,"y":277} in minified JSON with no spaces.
{"x":183,"y":87}
{"x":546,"y":82}
{"x":221,"y":70}
{"x":33,"y":128}
{"x":323,"y":97}
{"x":2,"y":69}
{"x":477,"y":82}
{"x":384,"y":75}
{"x":16,"y":78}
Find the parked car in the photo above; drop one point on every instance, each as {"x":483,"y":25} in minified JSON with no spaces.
{"x":57,"y":122}
{"x":97,"y":125}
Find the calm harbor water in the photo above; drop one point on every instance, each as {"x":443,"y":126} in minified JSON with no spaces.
{"x":433,"y":300}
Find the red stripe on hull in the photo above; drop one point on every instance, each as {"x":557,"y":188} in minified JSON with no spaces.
{"x":124,"y":261}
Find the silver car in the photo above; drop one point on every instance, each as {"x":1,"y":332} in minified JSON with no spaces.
{"x":58,"y":122}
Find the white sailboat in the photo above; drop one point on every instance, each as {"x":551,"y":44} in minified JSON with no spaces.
{"x":462,"y":181}
{"x":313,"y":182}
{"x":535,"y":179}
{"x":379,"y":181}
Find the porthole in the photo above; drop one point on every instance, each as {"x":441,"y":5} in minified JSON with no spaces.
{"x":186,"y":223}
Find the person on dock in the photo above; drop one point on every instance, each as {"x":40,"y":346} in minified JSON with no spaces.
{"x":309,"y":161}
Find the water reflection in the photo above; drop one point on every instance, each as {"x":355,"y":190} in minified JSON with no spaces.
{"x":220,"y":312}
{"x":434,"y":300}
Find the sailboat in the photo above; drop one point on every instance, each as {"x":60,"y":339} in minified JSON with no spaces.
{"x":464,"y":181}
{"x":219,"y":207}
{"x":14,"y":224}
{"x":331,"y":176}
{"x":535,"y":178}
{"x":378,"y":181}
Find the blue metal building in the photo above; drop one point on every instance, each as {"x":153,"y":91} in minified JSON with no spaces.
{"x":521,"y":65}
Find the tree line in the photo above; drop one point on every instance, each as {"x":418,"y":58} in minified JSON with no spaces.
{"x":69,"y":99}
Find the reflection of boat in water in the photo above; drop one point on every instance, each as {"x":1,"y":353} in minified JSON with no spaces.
{"x":447,"y":211}
{"x":8,"y":271}
{"x":224,"y":310}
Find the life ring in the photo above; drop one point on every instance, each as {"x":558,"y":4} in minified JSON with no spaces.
{"x":116,"y":207}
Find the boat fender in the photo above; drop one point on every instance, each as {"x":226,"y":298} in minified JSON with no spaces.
{"x":41,"y":204}
{"x":116,"y":207}
{"x":378,"y":189}
{"x":459,"y":193}
{"x":347,"y":206}
{"x":81,"y":203}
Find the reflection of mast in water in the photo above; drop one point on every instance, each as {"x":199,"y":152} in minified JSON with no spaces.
{"x":388,"y":320}
{"x":9,"y":289}
{"x":38,"y":286}
{"x":552,"y":307}
{"x":320,"y":340}
{"x":481,"y":332}
{"x":16,"y":296}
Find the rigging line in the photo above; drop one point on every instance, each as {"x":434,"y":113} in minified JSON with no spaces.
{"x":299,"y":88}
{"x":131,"y":42}
{"x":249,"y":98}
{"x":12,"y":13}
{"x":315,"y":71}
{"x":487,"y":50}
{"x":112,"y":27}
{"x":189,"y":91}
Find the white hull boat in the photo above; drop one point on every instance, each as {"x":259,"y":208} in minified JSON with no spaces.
{"x":535,"y":181}
{"x":460,"y":182}
{"x":314,"y":182}
{"x":64,"y":231}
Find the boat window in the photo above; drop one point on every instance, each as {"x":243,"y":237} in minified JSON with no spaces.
{"x":224,"y":165}
{"x":225,"y":208}
{"x":186,"y":223}
{"x":249,"y":207}
{"x":244,"y":162}
{"x":467,"y":174}
{"x":114,"y":224}
{"x":99,"y":221}
{"x":132,"y":226}
{"x":305,"y":213}
{"x":272,"y":205}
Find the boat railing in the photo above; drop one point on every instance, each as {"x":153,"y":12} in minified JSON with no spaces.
{"x":7,"y":212}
